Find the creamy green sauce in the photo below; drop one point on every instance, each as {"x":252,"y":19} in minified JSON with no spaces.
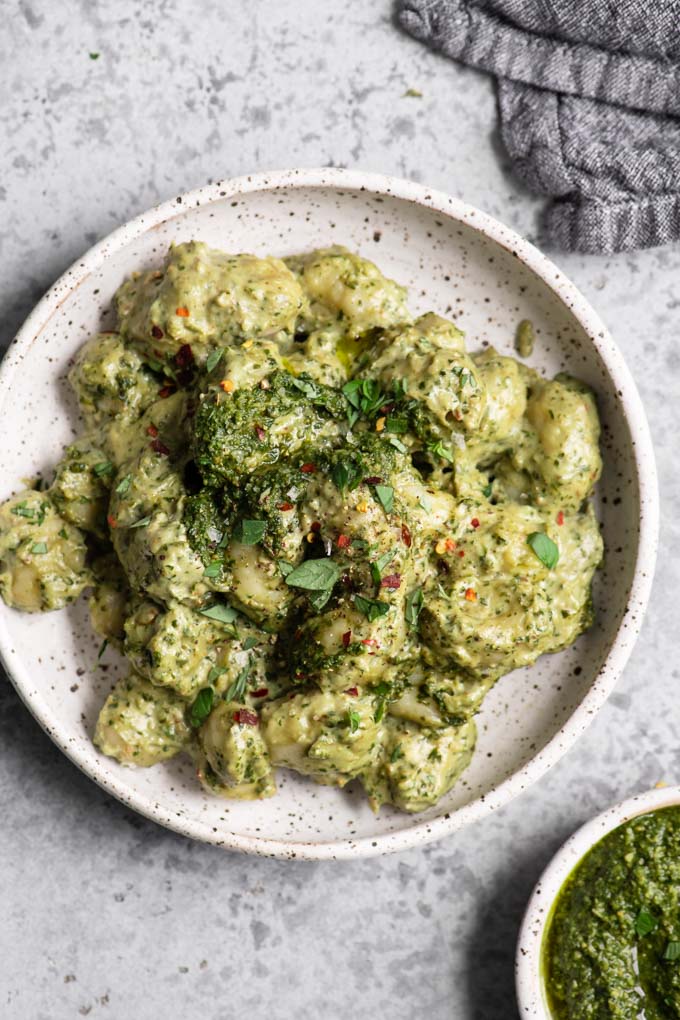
{"x":612,"y":947}
{"x":319,"y":529}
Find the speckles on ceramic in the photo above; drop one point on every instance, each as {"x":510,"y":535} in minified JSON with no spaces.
{"x":531,"y":995}
{"x":457,"y":261}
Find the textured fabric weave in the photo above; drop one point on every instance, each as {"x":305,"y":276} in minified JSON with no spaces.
{"x":589,"y":100}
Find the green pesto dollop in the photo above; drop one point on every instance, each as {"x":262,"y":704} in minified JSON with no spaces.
{"x":612,"y":947}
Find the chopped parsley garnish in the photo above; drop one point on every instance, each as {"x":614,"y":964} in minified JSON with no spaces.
{"x":213,"y":569}
{"x":439,"y":450}
{"x":672,"y":951}
{"x":220,"y":612}
{"x":105,"y":467}
{"x":385,"y":496}
{"x":306,"y":386}
{"x":21,"y":510}
{"x":645,"y":923}
{"x":314,"y":575}
{"x":213,"y":359}
{"x":397,"y":444}
{"x":215,"y":673}
{"x":395,"y":424}
{"x":365,"y":397}
{"x":141,"y":523}
{"x":545,"y":549}
{"x":381,"y":692}
{"x":397,"y":753}
{"x":250,"y":642}
{"x":102,"y":648}
{"x":414,"y":604}
{"x":249,"y":532}
{"x":346,"y":474}
{"x":354,"y":720}
{"x":380,"y":564}
{"x":39,"y":548}
{"x":237,"y":691}
{"x":487,"y":490}
{"x":372,"y":609}
{"x":201,"y":707}
{"x":124,"y":484}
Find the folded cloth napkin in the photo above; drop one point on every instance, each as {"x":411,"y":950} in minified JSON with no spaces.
{"x":589,"y":100}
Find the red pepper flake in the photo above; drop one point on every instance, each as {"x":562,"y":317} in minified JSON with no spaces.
{"x":298,"y":634}
{"x":461,"y":552}
{"x":157,"y":332}
{"x":111,"y":521}
{"x":185,"y":356}
{"x":316,"y":527}
{"x":152,"y":431}
{"x":353,"y":692}
{"x":470,"y":594}
{"x":308,"y":469}
{"x":406,"y":536}
{"x":260,"y":433}
{"x":373,"y":480}
{"x":344,"y":542}
{"x":159,"y":447}
{"x":261,"y":692}
{"x":182,"y":311}
{"x":475,"y":522}
{"x":370,"y":641}
{"x":244,"y":717}
{"x":284,"y":506}
{"x":346,"y":638}
{"x":391,"y":581}
{"x":387,"y":409}
{"x":166,"y":391}
{"x":560,"y":518}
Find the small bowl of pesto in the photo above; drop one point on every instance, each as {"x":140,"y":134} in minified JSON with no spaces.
{"x":601,"y":934}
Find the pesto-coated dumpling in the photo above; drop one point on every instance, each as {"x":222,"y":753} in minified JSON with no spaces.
{"x":430,"y":358}
{"x":140,"y":724}
{"x":236,"y":752}
{"x":206,"y":298}
{"x":416,"y":766}
{"x":42,"y":556}
{"x":343,"y":286}
{"x":110,"y":379}
{"x":80,"y":490}
{"x":328,"y":735}
{"x":505,"y":382}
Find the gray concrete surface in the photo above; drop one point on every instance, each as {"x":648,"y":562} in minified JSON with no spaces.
{"x":103,"y":913}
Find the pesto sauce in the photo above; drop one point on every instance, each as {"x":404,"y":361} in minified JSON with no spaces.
{"x":611,"y":950}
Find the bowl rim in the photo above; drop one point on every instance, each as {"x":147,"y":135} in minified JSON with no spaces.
{"x":621,"y":646}
{"x":528,"y":978}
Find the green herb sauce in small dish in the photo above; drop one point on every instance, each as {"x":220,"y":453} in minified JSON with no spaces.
{"x":611,"y":949}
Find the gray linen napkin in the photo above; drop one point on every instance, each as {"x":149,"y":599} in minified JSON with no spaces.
{"x":589,"y":100}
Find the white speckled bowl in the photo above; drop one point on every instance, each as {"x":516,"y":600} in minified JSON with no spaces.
{"x":457,"y":261}
{"x":531,"y":996}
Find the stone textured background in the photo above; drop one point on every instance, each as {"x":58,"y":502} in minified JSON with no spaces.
{"x":103,"y":913}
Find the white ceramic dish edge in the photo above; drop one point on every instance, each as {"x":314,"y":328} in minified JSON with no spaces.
{"x":624,"y":641}
{"x":529,"y":983}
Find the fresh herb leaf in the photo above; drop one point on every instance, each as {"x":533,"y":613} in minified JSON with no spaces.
{"x":63,"y":533}
{"x":645,"y":923}
{"x":380,"y":564}
{"x":94,"y":56}
{"x":141,"y":523}
{"x":385,"y":496}
{"x":201,"y":706}
{"x":306,"y":386}
{"x":439,"y":450}
{"x":414,"y":604}
{"x":215,"y":673}
{"x":21,"y":510}
{"x":399,"y":388}
{"x":105,"y":467}
{"x":154,"y":365}
{"x":314,"y":575}
{"x":250,"y":642}
{"x":672,"y":951}
{"x":102,"y":648}
{"x":425,"y":504}
{"x":372,"y":609}
{"x":249,"y":532}
{"x":237,"y":690}
{"x":346,"y":475}
{"x":397,"y":753}
{"x":124,"y":484}
{"x":487,"y":490}
{"x":398,"y":425}
{"x":213,"y":359}
{"x":213,"y":569}
{"x":285,"y":568}
{"x":397,"y":444}
{"x":381,"y":692}
{"x":318,"y":599}
{"x":545,"y":549}
{"x":354,"y":720}
{"x":39,"y":548}
{"x":220,"y":612}
{"x":364,"y":395}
